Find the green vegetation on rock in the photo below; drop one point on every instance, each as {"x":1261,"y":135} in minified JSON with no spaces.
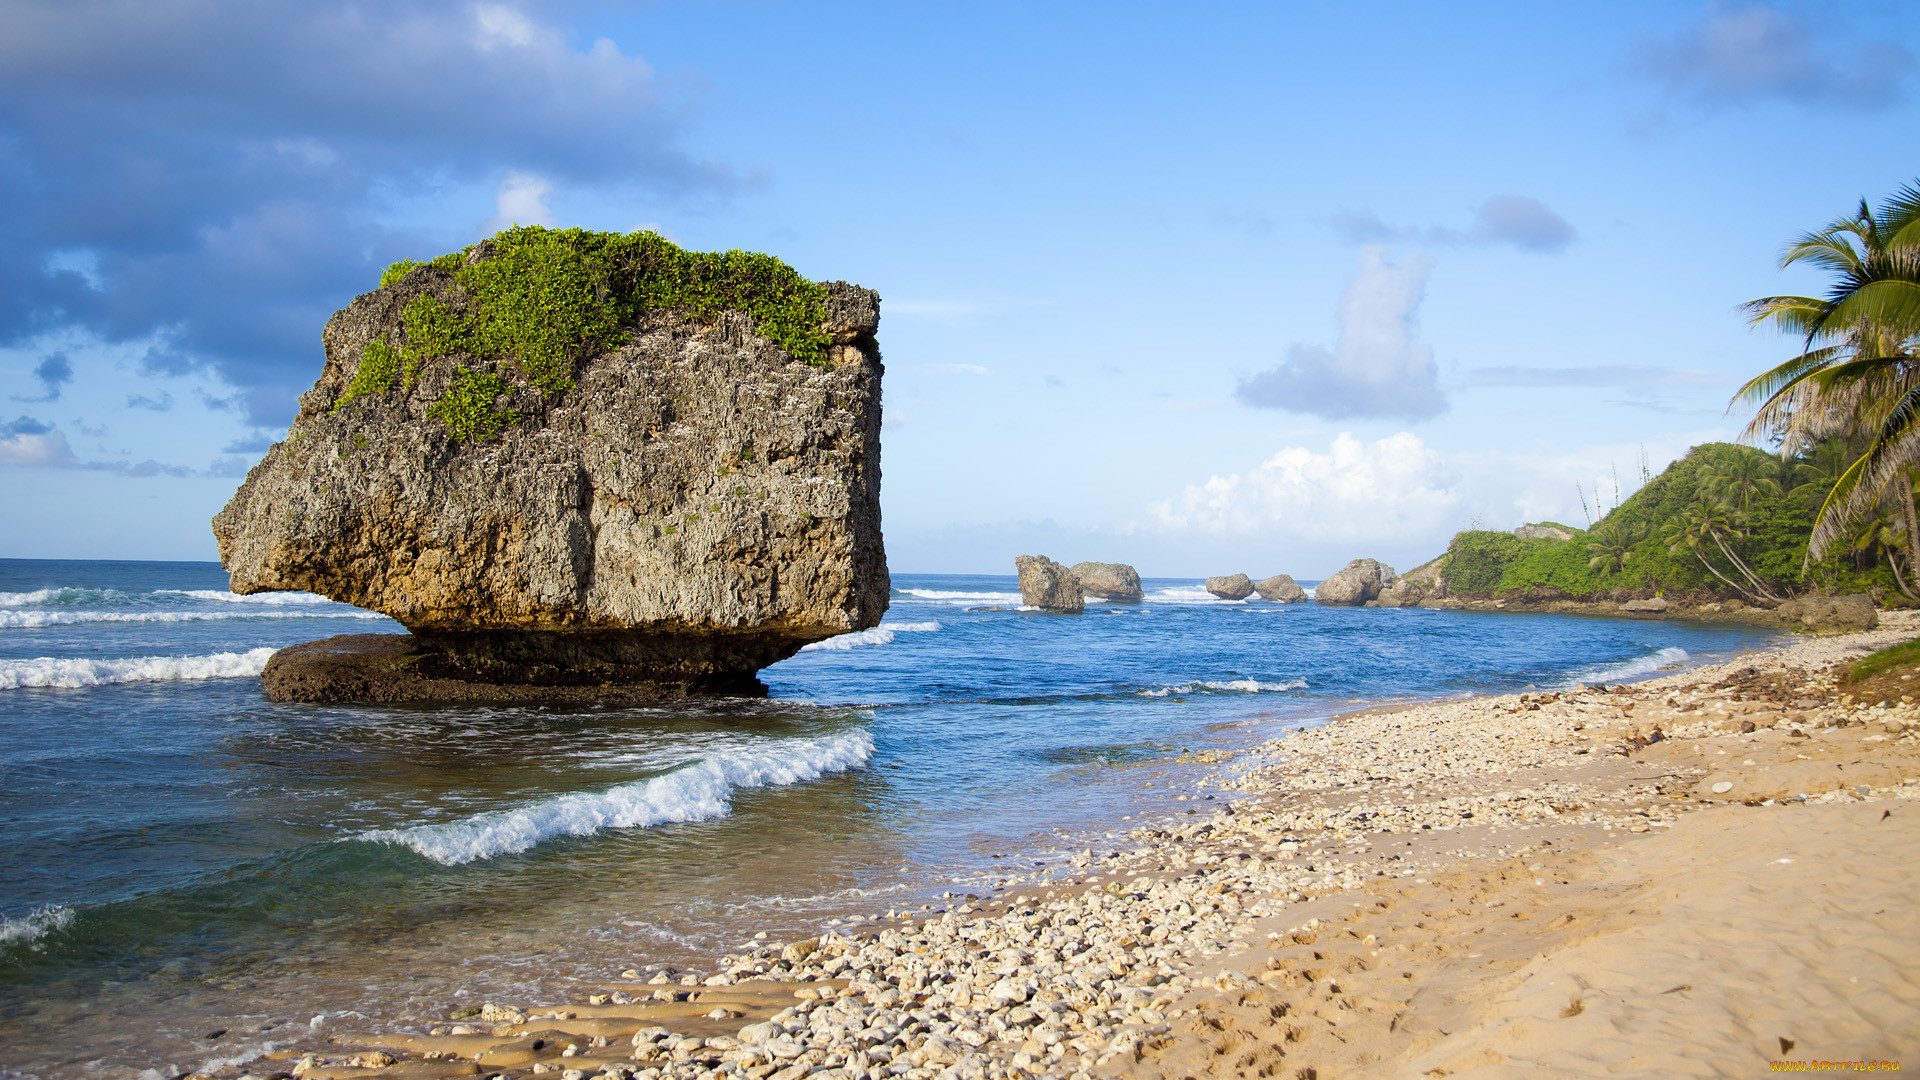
{"x":539,"y":301}
{"x":467,"y":408}
{"x":1714,"y":522}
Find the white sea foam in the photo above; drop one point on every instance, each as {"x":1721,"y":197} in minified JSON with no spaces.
{"x":62,"y":595}
{"x":51,"y":671}
{"x":1645,"y":665}
{"x":697,"y":791}
{"x":954,"y":597}
{"x":272,"y":599}
{"x":878,"y":635}
{"x":1242,"y":686}
{"x":34,"y":925}
{"x":1187,"y":594}
{"x":70,"y":618}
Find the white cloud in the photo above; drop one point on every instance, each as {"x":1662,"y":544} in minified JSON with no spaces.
{"x":30,"y":442}
{"x":1377,"y":368}
{"x":1394,"y":490}
{"x":522,"y":199}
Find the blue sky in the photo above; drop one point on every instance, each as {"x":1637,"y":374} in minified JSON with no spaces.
{"x":1207,"y":289}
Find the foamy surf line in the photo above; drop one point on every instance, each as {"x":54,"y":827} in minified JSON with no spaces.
{"x":1243,"y":686}
{"x":36,"y":924}
{"x":698,"y":791}
{"x":878,"y":635}
{"x":1645,"y":665}
{"x":48,"y":671}
{"x":27,"y":619}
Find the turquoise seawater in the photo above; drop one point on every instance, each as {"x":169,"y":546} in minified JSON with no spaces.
{"x":180,"y":856}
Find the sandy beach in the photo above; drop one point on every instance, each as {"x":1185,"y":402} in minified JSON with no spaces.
{"x":1704,"y":874}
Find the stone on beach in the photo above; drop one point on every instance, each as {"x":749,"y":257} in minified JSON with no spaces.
{"x":1830,"y":614}
{"x":1047,"y":585}
{"x":1231,"y":587}
{"x":692,"y":505}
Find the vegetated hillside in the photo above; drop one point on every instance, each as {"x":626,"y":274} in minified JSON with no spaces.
{"x":1765,"y":531}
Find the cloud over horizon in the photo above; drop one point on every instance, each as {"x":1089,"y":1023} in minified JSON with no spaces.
{"x":210,"y":175}
{"x":1744,"y":53}
{"x":1382,"y":491}
{"x":1377,"y":367}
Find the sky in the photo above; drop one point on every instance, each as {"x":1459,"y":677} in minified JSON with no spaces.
{"x":1205,"y":288}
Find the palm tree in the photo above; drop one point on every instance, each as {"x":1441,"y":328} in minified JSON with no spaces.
{"x":1818,"y":468}
{"x":1737,"y":478}
{"x":1858,"y":374}
{"x":1708,"y":521}
{"x":1612,"y":545}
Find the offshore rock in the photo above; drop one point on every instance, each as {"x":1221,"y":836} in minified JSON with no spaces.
{"x":1281,"y":589}
{"x":1402,"y":593}
{"x":698,"y":505}
{"x":1231,"y":587}
{"x":1108,"y":582}
{"x":1047,"y":585}
{"x":1358,"y":582}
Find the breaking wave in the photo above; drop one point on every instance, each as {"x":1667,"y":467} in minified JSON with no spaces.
{"x":1242,"y":686}
{"x":72,"y":674}
{"x":16,"y":619}
{"x":698,"y":791}
{"x":878,"y":635}
{"x":1645,"y":665}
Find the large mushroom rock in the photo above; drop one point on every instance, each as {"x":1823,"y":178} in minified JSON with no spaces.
{"x":1232,"y":587}
{"x":1358,"y":582}
{"x":576,"y":465}
{"x":1281,"y":589}
{"x":1047,"y":585}
{"x":1108,"y":582}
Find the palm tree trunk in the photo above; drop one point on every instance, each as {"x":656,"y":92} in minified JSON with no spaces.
{"x":1893,"y":560}
{"x":1912,"y":522}
{"x":1745,"y":571}
{"x":1736,"y":586}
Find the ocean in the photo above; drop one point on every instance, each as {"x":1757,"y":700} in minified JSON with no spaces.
{"x":181,"y":857}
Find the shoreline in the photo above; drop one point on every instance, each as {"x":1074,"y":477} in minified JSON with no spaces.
{"x":1228,"y":945}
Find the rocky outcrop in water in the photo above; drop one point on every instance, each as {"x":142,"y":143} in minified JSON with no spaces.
{"x":1108,"y":582}
{"x":1047,"y":585}
{"x":1281,"y":589}
{"x":664,"y":509}
{"x":1358,"y":582}
{"x":1231,"y":587}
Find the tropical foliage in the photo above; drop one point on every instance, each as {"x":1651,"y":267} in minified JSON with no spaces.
{"x":1855,"y":386}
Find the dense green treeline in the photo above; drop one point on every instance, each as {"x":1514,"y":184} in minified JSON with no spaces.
{"x":1687,"y":532}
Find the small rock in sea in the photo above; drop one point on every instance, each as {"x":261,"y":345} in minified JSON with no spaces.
{"x":1231,"y":587}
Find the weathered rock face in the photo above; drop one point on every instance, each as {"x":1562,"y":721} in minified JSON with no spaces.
{"x":1650,"y":606}
{"x":1830,"y":614}
{"x":1233,"y":587}
{"x":1544,"y":532}
{"x":696,"y":506}
{"x":1281,"y":589}
{"x":1047,"y":585}
{"x":1402,"y":593}
{"x":1358,"y":582}
{"x":1108,"y":582}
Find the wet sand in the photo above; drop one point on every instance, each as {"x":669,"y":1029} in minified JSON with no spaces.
{"x":1696,"y":875}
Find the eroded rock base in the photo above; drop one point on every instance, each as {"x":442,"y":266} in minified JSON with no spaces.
{"x":386,"y":668}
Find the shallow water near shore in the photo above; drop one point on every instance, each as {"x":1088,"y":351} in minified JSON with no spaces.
{"x":182,"y":856}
